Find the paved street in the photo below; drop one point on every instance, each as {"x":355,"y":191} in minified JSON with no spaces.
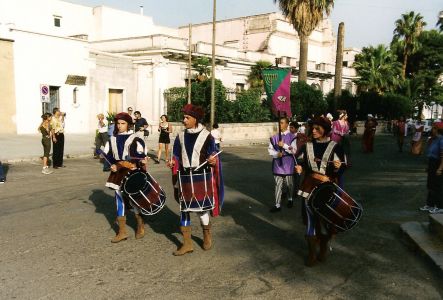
{"x":56,"y":231}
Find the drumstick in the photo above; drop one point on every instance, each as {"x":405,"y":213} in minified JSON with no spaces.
{"x":201,"y":165}
{"x":102,"y":155}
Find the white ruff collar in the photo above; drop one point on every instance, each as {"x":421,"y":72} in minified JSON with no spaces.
{"x":199,"y":128}
{"x":325,"y":141}
{"x":125,"y":133}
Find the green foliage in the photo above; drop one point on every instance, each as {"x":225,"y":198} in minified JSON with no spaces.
{"x":389,"y":105}
{"x":378,"y":70}
{"x":255,"y":79}
{"x":306,"y":100}
{"x":175,"y":108}
{"x":110,"y":116}
{"x":346,"y":102}
{"x":248,"y":107}
{"x":201,"y":65}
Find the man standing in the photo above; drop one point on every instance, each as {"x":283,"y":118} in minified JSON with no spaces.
{"x":102,"y":136}
{"x":193,"y":147}
{"x":400,"y":130}
{"x":141,"y":126}
{"x":282,"y":147}
{"x":58,"y":138}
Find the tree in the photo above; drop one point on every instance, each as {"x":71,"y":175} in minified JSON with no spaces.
{"x":201,"y":65}
{"x":440,"y":22}
{"x":305,"y":16}
{"x":378,"y":69}
{"x":248,"y":107}
{"x":255,"y":79}
{"x":407,"y":29}
{"x":306,"y":100}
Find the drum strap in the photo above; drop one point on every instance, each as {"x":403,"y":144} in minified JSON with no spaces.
{"x":195,"y":159}
{"x":324,"y":160}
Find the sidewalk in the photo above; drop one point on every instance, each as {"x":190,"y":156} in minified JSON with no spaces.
{"x":16,"y":148}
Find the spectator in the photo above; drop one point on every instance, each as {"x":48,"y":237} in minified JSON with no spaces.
{"x":217,"y":136}
{"x":130,"y":110}
{"x":141,"y":126}
{"x":165,"y":129}
{"x":434,"y":200}
{"x":102,"y":136}
{"x":45,"y":130}
{"x":58,"y":137}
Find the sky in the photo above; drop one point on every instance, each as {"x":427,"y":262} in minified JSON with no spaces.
{"x":367,"y":22}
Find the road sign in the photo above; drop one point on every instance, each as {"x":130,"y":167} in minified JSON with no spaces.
{"x":44,"y":93}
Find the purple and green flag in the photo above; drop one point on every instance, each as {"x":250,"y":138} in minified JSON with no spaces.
{"x":278,"y":88}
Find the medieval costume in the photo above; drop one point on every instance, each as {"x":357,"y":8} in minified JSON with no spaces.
{"x":124,"y":150}
{"x":417,"y":141}
{"x":400,"y":131}
{"x":322,"y":160}
{"x":369,"y":134}
{"x":283,"y":162}
{"x":193,"y":147}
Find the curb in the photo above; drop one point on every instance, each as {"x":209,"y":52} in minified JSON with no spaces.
{"x":84,"y":155}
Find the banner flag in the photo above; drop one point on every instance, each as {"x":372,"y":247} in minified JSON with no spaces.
{"x":278,"y":88}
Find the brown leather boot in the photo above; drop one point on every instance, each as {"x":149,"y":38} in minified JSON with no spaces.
{"x":121,"y":235}
{"x":186,"y":247}
{"x":312,"y":247}
{"x":207,"y":239}
{"x":324,"y":241}
{"x":140,"y":227}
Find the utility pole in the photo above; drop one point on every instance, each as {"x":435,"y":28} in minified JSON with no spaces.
{"x":189,"y":62}
{"x":214,"y":11}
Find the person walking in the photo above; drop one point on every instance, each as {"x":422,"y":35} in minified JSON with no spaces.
{"x":369,"y":134}
{"x":400,"y":131}
{"x":45,"y":130}
{"x":434,"y":200}
{"x":102,"y":136}
{"x":282,"y":147}
{"x":123,"y":150}
{"x":417,"y":141}
{"x":58,"y":138}
{"x":163,"y":141}
{"x":217,"y":136}
{"x":194,"y":148}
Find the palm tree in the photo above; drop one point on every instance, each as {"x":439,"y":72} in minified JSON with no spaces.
{"x":304,"y":15}
{"x":378,"y":70}
{"x":440,"y":21}
{"x":407,"y":29}
{"x":255,"y":79}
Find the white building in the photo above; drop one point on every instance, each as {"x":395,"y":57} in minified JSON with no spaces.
{"x":100,"y":59}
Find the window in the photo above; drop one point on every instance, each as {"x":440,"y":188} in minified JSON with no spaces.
{"x":57,"y":21}
{"x":239,"y":87}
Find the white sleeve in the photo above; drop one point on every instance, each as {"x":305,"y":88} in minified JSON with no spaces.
{"x":272,"y":151}
{"x":140,"y":148}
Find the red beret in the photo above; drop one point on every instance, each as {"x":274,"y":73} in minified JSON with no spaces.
{"x":194,"y":111}
{"x":323,"y":122}
{"x":438,"y":125}
{"x":123,"y":116}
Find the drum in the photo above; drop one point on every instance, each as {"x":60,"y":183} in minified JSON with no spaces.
{"x":335,"y":206}
{"x":196,"y":190}
{"x":140,"y":188}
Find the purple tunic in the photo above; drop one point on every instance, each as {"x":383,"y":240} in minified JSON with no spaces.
{"x":284,"y":165}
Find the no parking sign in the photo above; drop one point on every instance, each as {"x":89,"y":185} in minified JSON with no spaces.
{"x":44,"y":93}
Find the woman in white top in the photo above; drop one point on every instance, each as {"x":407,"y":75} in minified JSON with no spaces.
{"x":217,"y":136}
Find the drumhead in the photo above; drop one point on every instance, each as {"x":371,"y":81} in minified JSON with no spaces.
{"x":323,"y":193}
{"x":135,"y":182}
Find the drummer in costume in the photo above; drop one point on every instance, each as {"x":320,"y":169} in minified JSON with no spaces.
{"x":282,"y":148}
{"x":123,"y":151}
{"x":322,"y":160}
{"x":192,"y":147}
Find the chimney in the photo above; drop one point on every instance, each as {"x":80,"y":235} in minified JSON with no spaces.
{"x":141,"y":10}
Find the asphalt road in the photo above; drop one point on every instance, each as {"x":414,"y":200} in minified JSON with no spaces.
{"x":56,"y":230}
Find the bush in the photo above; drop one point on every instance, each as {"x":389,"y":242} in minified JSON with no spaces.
{"x":248,"y":107}
{"x":306,"y":100}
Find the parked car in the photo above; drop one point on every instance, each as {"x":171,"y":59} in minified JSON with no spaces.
{"x":426,"y":123}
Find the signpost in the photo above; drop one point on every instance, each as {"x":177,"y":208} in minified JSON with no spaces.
{"x":44,"y":93}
